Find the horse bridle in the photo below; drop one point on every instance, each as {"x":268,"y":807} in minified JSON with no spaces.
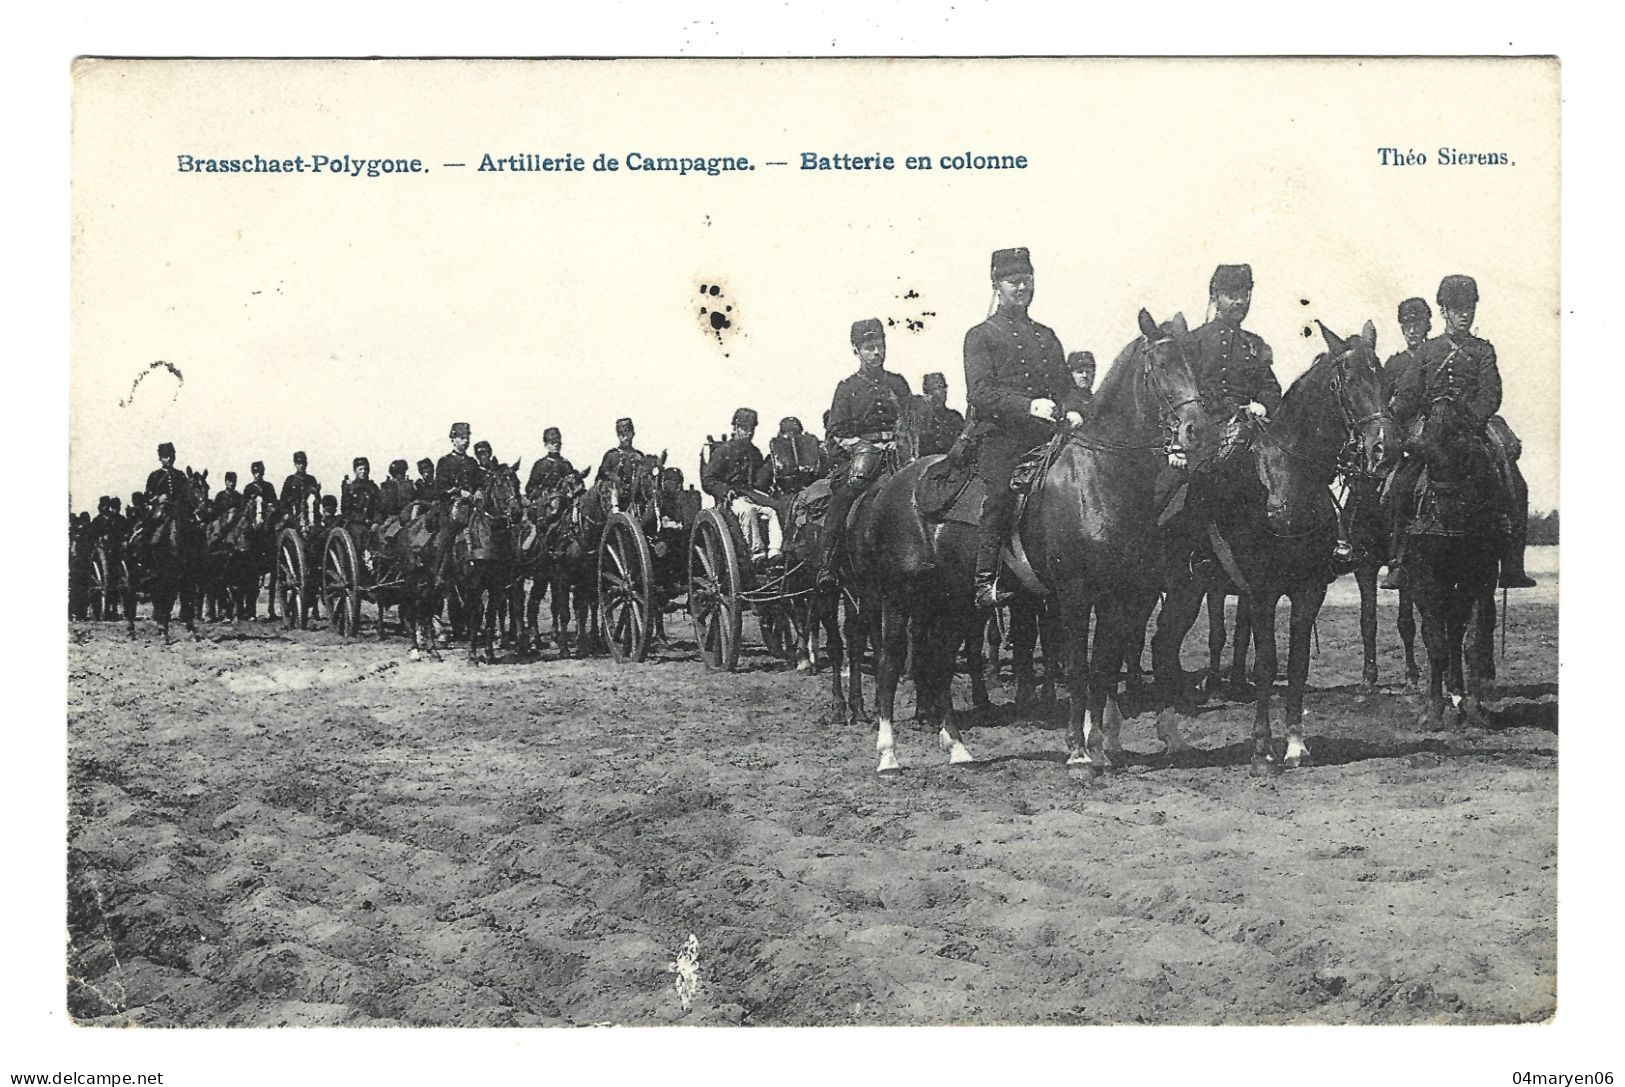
{"x":1167,"y":416}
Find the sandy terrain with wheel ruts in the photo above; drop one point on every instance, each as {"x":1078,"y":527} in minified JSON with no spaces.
{"x":289,"y":829}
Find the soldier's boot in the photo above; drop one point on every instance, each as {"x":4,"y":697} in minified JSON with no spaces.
{"x":994,"y":521}
{"x":834,"y":521}
{"x":1517,"y":500}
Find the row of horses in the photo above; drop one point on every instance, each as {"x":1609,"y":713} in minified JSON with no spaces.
{"x":1094,"y":558}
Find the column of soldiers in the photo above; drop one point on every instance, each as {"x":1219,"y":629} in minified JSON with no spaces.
{"x":1020,"y":387}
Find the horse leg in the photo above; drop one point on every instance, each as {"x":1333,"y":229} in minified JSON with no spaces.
{"x":857,"y":637}
{"x":1480,"y":658}
{"x":1305,"y":607}
{"x":1083,"y":739}
{"x":1212,"y":679}
{"x":975,"y":661}
{"x":1240,"y":687}
{"x":829,"y":617}
{"x":1115,"y":617}
{"x":944,"y":634}
{"x":1263,"y":607}
{"x":1179,"y":610}
{"x":890,"y":650}
{"x":1434,"y":639}
{"x":1407,"y":634}
{"x":1365,"y":575}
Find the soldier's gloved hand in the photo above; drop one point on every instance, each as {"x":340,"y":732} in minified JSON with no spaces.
{"x":1257,"y":410}
{"x":1074,"y":419}
{"x":1042,"y":409}
{"x":1177,"y":460}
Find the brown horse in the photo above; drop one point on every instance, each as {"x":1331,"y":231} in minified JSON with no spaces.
{"x":166,"y":556}
{"x":1281,"y":544}
{"x":1086,"y":530}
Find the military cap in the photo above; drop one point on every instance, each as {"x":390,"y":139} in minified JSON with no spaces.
{"x":137,"y":497}
{"x":425,"y":463}
{"x":299,"y":458}
{"x":361,"y":462}
{"x":623,"y":426}
{"x":1080,"y":360}
{"x":257,"y":466}
{"x":330,"y":502}
{"x":551,"y":434}
{"x":1458,"y":291}
{"x":790,"y":425}
{"x":166,"y":449}
{"x":482,"y":446}
{"x":461,"y":430}
{"x":397,"y":467}
{"x":1414,"y":308}
{"x":867,"y":329}
{"x":744,"y":417}
{"x":1230,"y":278}
{"x":231,"y":477}
{"x":113,"y":502}
{"x":102,"y":503}
{"x":1012,"y":262}
{"x":935,"y":381}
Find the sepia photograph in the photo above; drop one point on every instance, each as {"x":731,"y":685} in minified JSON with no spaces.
{"x":809,"y":542}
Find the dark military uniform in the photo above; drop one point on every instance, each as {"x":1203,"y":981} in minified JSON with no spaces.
{"x":868,"y":406}
{"x":260,"y":488}
{"x":394,"y":495}
{"x":620,"y":467}
{"x":1464,"y":370}
{"x":363,"y":501}
{"x":732,"y":466}
{"x":169,"y":482}
{"x":793,"y":462}
{"x":297,"y":490}
{"x":1394,"y":371}
{"x":229,"y":500}
{"x":1234,"y":367}
{"x":455,"y":472}
{"x":546,"y":474}
{"x":942,"y":429}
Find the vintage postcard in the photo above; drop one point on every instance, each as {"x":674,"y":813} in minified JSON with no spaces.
{"x":773,"y":542}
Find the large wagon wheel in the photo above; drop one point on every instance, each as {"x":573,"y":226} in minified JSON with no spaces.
{"x":291,"y":578}
{"x":341,"y":583}
{"x":714,"y":601}
{"x":97,"y":582}
{"x":625,"y":589}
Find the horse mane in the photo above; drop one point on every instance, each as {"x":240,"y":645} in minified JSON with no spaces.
{"x":1118,"y":377}
{"x":1313,"y":378}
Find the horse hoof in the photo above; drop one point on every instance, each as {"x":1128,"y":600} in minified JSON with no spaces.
{"x":888,"y":764}
{"x":1262,"y":767}
{"x":414,"y":655}
{"x":1079,"y":758}
{"x":959,"y":755}
{"x":804,"y":667}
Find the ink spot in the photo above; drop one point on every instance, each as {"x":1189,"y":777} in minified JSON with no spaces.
{"x":912,"y":321}
{"x":1303,"y":301}
{"x":1307,"y":332}
{"x":720,"y":322}
{"x":715,"y":290}
{"x":151,"y":366}
{"x":716,"y":313}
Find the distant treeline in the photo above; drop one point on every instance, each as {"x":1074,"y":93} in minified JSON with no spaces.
{"x":1543,"y":528}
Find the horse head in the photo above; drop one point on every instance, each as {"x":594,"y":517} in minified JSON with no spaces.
{"x":501,"y":494}
{"x":1370,"y":445}
{"x":1154,"y":380}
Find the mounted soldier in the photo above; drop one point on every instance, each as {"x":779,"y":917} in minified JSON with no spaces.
{"x":1081,"y":365}
{"x":1461,"y":367}
{"x":548,"y":472}
{"x":301,"y":493}
{"x":423,"y":489}
{"x":1415,"y":322}
{"x":943,"y":425}
{"x":229,"y":498}
{"x":112,"y":529}
{"x":729,"y":476}
{"x":164,"y":483}
{"x":259,"y":486}
{"x":456,"y":474}
{"x":794,"y":460}
{"x":1018,"y":389}
{"x":362,"y":497}
{"x":395,"y":493}
{"x":862,"y":422}
{"x":618,"y":471}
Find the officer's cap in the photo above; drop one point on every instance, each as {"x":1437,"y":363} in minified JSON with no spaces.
{"x":425,"y":464}
{"x":137,"y":497}
{"x":231,"y":477}
{"x":551,"y":434}
{"x":1012,"y":262}
{"x":299,"y":458}
{"x":1080,"y":360}
{"x":1413,"y":309}
{"x":1458,"y":291}
{"x":1231,"y":279}
{"x":744,"y":417}
{"x":935,"y":381}
{"x":461,"y":430}
{"x":623,"y":426}
{"x":869,"y":328}
{"x":113,"y":502}
{"x":102,"y":503}
{"x":790,"y":425}
{"x":166,"y":449}
{"x":257,"y":466}
{"x":397,"y":467}
{"x":361,"y":462}
{"x":482,"y":446}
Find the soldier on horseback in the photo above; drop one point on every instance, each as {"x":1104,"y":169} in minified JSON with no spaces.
{"x":456,"y":474}
{"x":862,"y":422}
{"x":729,"y":477}
{"x":229,"y":498}
{"x":362,"y":498}
{"x":548,"y":472}
{"x":259,"y":486}
{"x":618,"y":471}
{"x":301,"y":492}
{"x":165,"y":482}
{"x":1415,"y":322}
{"x":943,"y":424}
{"x":423,"y":487}
{"x":1018,"y":388}
{"x":1461,"y":367}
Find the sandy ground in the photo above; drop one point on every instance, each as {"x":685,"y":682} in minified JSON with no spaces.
{"x":269,"y":829}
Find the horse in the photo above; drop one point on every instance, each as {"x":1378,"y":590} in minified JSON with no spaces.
{"x":1085,"y":531}
{"x":166,"y":554}
{"x":485,"y":560}
{"x":570,"y":541}
{"x":1371,"y":533}
{"x":1282,"y":544}
{"x":1452,"y":559}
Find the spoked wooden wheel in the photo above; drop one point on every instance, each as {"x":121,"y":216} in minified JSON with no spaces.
{"x":626,"y":589}
{"x":713,"y":591}
{"x":341,"y":583}
{"x":98,"y":583}
{"x":291,"y":573}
